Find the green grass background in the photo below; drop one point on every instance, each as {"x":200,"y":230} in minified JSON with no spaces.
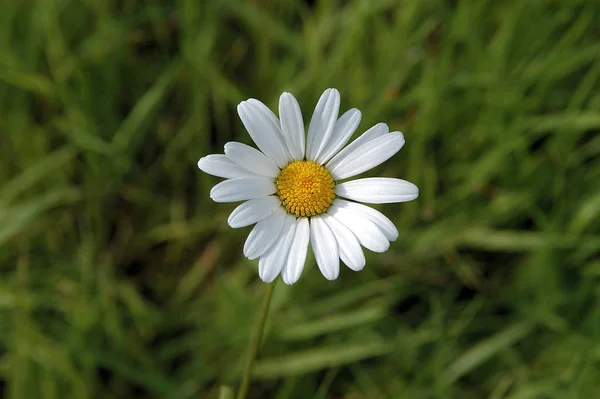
{"x":119,"y":277}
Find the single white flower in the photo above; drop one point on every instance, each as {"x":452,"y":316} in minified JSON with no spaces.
{"x":292,"y":188}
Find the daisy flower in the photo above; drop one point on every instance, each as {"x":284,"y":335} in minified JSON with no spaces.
{"x":295,"y":187}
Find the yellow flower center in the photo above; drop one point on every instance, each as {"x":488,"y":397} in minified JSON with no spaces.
{"x":305,"y":188}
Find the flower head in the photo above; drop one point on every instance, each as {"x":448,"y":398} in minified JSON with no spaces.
{"x":294,"y":188}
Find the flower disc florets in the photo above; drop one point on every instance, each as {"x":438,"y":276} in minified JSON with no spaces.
{"x":305,"y":188}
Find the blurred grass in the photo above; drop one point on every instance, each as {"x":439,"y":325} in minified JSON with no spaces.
{"x":119,"y":278}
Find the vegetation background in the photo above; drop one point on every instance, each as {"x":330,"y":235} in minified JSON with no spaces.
{"x":119,"y":277}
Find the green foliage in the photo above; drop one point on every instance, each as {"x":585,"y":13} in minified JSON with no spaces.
{"x":119,"y":278}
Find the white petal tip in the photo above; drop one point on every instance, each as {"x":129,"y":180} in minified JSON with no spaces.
{"x":233,"y":224}
{"x":359,"y":268}
{"x":290,"y":278}
{"x":414,"y":194}
{"x":268,"y":279}
{"x":250,"y":255}
{"x":383,"y":248}
{"x":289,"y":281}
{"x":336,"y":95}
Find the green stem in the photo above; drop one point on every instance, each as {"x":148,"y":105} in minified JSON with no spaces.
{"x":258,"y":333}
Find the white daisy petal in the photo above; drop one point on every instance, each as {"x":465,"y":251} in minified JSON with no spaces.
{"x":297,"y":256}
{"x":264,"y":131}
{"x":322,"y":123}
{"x":387,"y":227}
{"x":376,"y":131}
{"x":349,"y":248}
{"x":251,"y":159}
{"x":325,"y":248}
{"x":367,"y":156}
{"x":292,"y":125}
{"x":344,"y":128}
{"x":221,"y":166}
{"x":253,"y":211}
{"x":242,"y":189}
{"x":378,"y":190}
{"x":265,"y":110}
{"x":264,"y":234}
{"x":271,"y":263}
{"x":368,"y":234}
